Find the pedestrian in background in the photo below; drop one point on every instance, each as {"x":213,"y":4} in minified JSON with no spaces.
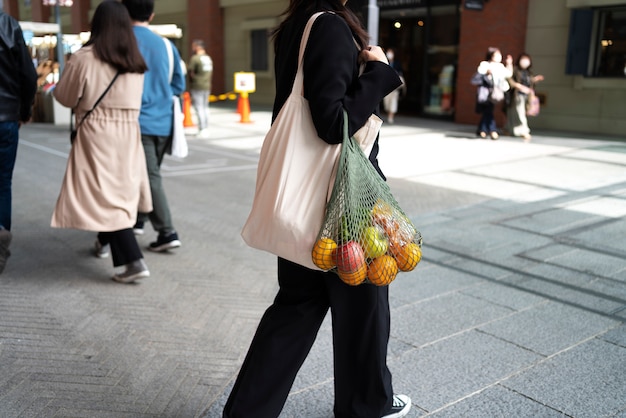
{"x":361,"y":317}
{"x":156,"y":118}
{"x":523,"y":85}
{"x":390,"y":102}
{"x":200,"y":70}
{"x":18,"y":85}
{"x":491,"y":79}
{"x":106,"y":178}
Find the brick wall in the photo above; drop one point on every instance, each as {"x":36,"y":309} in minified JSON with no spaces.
{"x":501,"y":24}
{"x":205,"y":21}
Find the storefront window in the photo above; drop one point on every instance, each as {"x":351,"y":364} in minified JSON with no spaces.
{"x":597,"y":42}
{"x":610,"y":58}
{"x":425,"y":41}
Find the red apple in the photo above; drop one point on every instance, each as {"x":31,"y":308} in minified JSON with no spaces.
{"x":350,"y":257}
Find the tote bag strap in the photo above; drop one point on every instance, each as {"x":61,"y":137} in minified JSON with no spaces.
{"x":170,"y":58}
{"x":298,"y":83}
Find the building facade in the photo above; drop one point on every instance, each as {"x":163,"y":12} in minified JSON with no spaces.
{"x":578,"y":45}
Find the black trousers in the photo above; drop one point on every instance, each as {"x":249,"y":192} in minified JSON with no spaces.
{"x":124,"y":247}
{"x":361,"y":322}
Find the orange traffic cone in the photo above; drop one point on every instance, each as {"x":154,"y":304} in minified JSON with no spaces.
{"x":188,"y":120}
{"x":244,"y":102}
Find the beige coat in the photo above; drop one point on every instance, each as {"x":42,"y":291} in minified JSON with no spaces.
{"x":106,"y":180}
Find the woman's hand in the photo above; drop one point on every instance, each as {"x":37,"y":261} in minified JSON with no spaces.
{"x":537,"y":78}
{"x":373,"y":53}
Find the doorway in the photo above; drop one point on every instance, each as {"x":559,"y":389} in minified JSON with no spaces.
{"x":425,"y":41}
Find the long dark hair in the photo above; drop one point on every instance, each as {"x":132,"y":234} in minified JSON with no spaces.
{"x":336,"y":6}
{"x":113,"y":38}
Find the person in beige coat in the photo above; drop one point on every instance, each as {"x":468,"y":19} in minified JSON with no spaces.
{"x":106,"y":179}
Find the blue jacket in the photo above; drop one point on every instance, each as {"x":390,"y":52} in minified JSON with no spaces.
{"x":156,"y":113}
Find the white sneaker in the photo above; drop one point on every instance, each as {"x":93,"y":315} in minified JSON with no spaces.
{"x":101,"y":251}
{"x":204,"y":133}
{"x":400,"y":406}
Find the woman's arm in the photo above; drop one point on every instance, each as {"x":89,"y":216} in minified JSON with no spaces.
{"x":69,"y":89}
{"x":330,"y":69}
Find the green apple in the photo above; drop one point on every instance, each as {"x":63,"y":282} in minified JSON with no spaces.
{"x":374,"y":242}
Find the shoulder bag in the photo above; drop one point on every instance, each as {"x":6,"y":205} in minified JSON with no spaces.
{"x":294,"y":179}
{"x":74,"y":132}
{"x":178,"y":148}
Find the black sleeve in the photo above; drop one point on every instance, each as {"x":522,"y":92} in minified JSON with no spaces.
{"x":331,"y":81}
{"x":28,"y":75}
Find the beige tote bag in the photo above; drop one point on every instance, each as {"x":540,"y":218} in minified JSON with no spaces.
{"x":294,"y":179}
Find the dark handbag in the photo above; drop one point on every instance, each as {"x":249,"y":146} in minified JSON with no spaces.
{"x":74,"y":131}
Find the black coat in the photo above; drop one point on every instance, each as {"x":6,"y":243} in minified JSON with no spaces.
{"x":331,"y":76}
{"x":18,"y":78}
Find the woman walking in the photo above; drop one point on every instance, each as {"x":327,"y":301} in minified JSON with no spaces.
{"x":106,"y":178}
{"x":361,"y":317}
{"x":523,"y":85}
{"x":491,"y":79}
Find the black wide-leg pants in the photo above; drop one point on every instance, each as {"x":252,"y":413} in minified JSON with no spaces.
{"x":124,"y":247}
{"x":360,"y":322}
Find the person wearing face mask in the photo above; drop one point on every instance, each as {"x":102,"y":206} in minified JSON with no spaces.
{"x":522,"y":82}
{"x":491,"y":78}
{"x":390,"y":102}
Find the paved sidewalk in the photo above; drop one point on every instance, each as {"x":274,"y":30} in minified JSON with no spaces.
{"x":517,"y":309}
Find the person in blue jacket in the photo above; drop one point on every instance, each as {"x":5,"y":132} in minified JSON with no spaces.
{"x":161,"y":82}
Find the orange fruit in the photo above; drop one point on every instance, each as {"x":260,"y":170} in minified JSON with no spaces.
{"x":407,"y":256}
{"x":355,"y":278}
{"x":382,"y":270}
{"x":323,"y":253}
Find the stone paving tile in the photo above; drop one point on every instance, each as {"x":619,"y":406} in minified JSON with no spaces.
{"x":586,"y":381}
{"x":478,"y":239}
{"x":616,"y":336}
{"x":553,"y":221}
{"x":428,"y":321}
{"x":582,"y":290}
{"x":549,"y":328}
{"x":427,"y":281}
{"x":488,"y":186}
{"x":497,"y":401}
{"x":589,"y":261}
{"x":557,"y":172}
{"x":489,"y":271}
{"x":504,"y":295}
{"x":609,"y":207}
{"x":449,"y":370}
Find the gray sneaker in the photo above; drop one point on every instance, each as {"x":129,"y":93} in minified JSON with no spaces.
{"x":134,"y":271}
{"x":5,"y":241}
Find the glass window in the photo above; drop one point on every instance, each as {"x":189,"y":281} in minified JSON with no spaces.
{"x":610,"y":45}
{"x":259,"y":50}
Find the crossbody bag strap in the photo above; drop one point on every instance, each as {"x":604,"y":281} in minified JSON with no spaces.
{"x":99,"y":100}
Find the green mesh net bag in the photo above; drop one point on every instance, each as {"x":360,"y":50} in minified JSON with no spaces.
{"x":365,"y":237}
